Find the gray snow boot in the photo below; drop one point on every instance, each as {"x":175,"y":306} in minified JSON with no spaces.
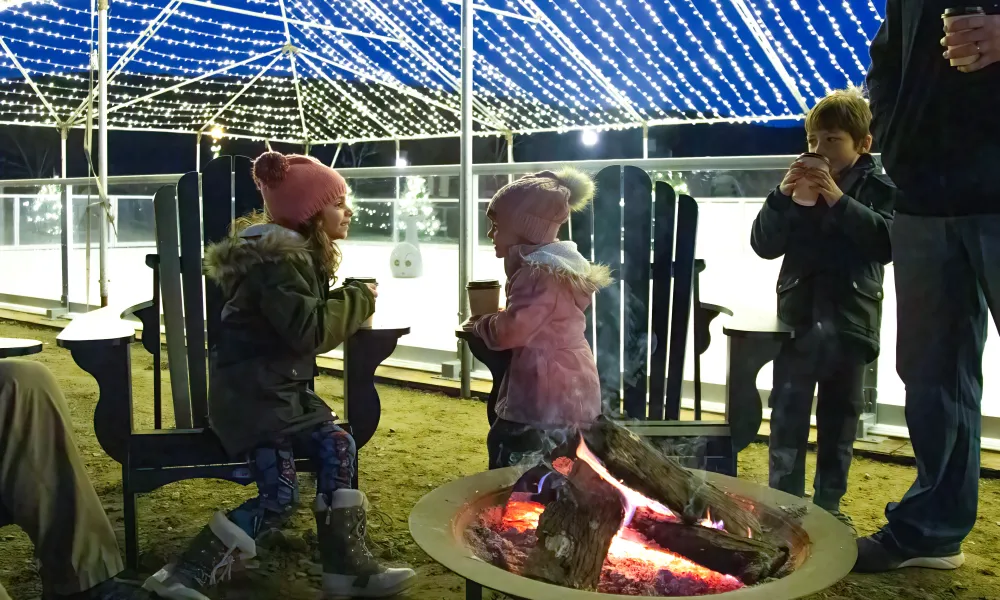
{"x":208,"y":560}
{"x":349,"y":569}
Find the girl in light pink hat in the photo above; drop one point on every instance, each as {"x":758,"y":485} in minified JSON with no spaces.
{"x":275,"y":272}
{"x":551,"y":384}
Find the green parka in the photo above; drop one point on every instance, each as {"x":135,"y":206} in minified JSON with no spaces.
{"x":279,"y":313}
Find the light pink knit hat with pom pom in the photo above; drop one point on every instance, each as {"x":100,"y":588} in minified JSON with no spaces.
{"x":536,"y":206}
{"x":295,"y":187}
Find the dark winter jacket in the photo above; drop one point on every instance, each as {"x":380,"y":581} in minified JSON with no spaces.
{"x":938,"y":128}
{"x":279,"y":314}
{"x":834,"y":256}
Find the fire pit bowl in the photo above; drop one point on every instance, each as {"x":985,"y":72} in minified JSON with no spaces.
{"x":822,"y":550}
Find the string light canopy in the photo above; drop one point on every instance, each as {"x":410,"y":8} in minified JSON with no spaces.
{"x":331,"y":71}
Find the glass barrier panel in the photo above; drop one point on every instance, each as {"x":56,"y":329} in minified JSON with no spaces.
{"x":30,"y":245}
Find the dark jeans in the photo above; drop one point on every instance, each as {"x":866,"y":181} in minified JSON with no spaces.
{"x":509,"y":443}
{"x":947,"y":273}
{"x":839,"y":371}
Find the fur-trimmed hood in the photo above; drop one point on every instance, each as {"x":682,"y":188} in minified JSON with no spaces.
{"x":564,"y":262}
{"x":230,"y":260}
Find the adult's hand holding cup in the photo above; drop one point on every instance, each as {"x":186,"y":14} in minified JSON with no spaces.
{"x":960,"y":52}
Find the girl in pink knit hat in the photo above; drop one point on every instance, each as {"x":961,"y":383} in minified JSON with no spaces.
{"x":275,"y":272}
{"x":551,"y":384}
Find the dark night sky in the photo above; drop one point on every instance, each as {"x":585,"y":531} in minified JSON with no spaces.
{"x":133,"y":153}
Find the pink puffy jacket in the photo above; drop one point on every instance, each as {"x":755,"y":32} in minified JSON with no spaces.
{"x":552,"y":380}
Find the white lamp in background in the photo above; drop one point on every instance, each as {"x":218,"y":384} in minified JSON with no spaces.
{"x":402,"y":162}
{"x":589,"y":137}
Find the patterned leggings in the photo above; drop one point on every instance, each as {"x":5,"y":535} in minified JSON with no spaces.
{"x":333,"y":453}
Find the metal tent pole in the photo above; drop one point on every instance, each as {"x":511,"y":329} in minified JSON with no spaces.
{"x":467,"y":201}
{"x":102,"y":140}
{"x":197,"y":153}
{"x":65,"y":218}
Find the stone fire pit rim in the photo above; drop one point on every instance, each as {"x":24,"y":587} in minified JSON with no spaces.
{"x":434,"y":518}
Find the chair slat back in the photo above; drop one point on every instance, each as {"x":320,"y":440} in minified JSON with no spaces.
{"x":169,"y":265}
{"x":633,"y":339}
{"x":189,"y":217}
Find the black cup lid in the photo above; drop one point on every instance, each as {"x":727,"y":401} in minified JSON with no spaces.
{"x":360,"y":279}
{"x":483,"y":284}
{"x":959,"y":11}
{"x":814,"y":155}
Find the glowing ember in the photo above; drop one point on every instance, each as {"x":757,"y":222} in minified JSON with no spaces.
{"x":522,"y":515}
{"x":634,"y":565}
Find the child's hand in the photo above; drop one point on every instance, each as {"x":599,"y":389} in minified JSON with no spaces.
{"x":373,"y":288}
{"x":827,"y":187}
{"x":470,"y":323}
{"x":796,"y":172}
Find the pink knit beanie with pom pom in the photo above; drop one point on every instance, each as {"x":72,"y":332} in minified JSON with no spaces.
{"x":535,"y":206}
{"x":295,"y":187}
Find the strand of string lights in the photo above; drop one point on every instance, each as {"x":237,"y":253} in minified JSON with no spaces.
{"x":581,"y":64}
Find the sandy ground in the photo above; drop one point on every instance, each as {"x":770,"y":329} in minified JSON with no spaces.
{"x":424,"y":441}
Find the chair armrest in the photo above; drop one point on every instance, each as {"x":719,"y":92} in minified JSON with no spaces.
{"x":102,"y":327}
{"x":100,"y":344}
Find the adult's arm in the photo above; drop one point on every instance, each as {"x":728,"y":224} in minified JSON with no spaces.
{"x":886,"y":70}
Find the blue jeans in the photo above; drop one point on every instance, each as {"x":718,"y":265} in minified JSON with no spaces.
{"x":947,"y":273}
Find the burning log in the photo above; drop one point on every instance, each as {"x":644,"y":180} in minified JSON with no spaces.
{"x":641,"y":467}
{"x":575,"y":531}
{"x":748,"y":559}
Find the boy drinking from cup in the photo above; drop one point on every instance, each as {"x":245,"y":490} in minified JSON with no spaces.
{"x":830,"y":219}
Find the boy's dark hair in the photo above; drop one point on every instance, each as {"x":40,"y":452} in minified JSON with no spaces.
{"x":846,"y":110}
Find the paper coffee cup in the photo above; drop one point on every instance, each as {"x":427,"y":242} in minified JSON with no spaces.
{"x":954,"y":15}
{"x":484,"y":297}
{"x":372,"y":281}
{"x":806,"y":193}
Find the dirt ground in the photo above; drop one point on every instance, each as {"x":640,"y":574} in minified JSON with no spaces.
{"x":424,"y":440}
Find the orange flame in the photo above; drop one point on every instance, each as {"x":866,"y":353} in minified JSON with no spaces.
{"x":633,"y":499}
{"x":627,"y":546}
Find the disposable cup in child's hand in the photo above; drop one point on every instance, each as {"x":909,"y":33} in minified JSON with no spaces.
{"x":955,"y":15}
{"x":806,"y":193}
{"x":484,"y":297}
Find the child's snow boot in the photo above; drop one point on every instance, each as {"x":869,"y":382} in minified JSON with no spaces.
{"x":349,"y":569}
{"x":208,"y":560}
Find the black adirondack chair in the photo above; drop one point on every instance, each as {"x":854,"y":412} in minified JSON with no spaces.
{"x":100,"y":344}
{"x":624,"y":221}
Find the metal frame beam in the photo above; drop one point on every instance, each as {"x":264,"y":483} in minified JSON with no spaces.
{"x":30,"y":81}
{"x":133,"y":49}
{"x":360,"y":106}
{"x":567,"y":45}
{"x":442,"y":72}
{"x":751,"y":22}
{"x":290,"y":50}
{"x":238,"y":94}
{"x":396,"y":86}
{"x":188,"y":82}
{"x":497,"y":11}
{"x":287,"y":21}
